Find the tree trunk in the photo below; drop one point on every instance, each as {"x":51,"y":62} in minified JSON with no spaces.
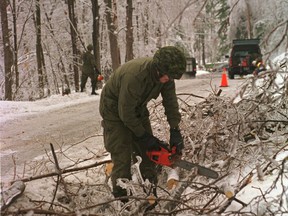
{"x":249,"y":31}
{"x":15,"y":62}
{"x":137,"y":19}
{"x":45,"y":77}
{"x":8,"y":55}
{"x":96,"y":32}
{"x":146,"y":25}
{"x":73,"y":29}
{"x":39,"y":49}
{"x":203,"y":49}
{"x":129,"y":31}
{"x":159,"y":38}
{"x":112,"y":23}
{"x":60,"y":64}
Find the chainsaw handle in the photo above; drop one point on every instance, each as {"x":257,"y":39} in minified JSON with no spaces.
{"x":163,"y":156}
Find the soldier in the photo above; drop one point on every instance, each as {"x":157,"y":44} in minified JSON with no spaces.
{"x":123,"y":107}
{"x":89,"y":70}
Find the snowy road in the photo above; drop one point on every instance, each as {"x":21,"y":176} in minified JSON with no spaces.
{"x":27,"y":136}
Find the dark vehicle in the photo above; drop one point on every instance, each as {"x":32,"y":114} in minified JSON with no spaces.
{"x":243,"y":53}
{"x":191,"y":67}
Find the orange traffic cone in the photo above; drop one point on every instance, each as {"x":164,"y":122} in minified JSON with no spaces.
{"x":224,"y":82}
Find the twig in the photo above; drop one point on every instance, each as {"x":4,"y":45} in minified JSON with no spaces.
{"x":190,"y":94}
{"x":59,"y":177}
{"x":63,"y":172}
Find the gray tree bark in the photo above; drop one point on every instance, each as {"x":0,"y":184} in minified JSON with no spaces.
{"x":129,"y":31}
{"x":96,"y":32}
{"x":39,"y":54}
{"x":111,"y":20}
{"x":8,"y":55}
{"x":73,"y":29}
{"x":15,"y":45}
{"x":249,"y":31}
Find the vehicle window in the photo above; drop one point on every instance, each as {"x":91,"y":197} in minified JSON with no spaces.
{"x":241,"y":53}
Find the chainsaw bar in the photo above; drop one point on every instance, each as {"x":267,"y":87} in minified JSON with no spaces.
{"x":201,"y":170}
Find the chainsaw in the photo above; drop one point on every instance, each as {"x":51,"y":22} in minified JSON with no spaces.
{"x":170,"y":158}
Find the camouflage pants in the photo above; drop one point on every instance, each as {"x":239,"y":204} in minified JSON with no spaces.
{"x":118,"y":140}
{"x":84,"y":78}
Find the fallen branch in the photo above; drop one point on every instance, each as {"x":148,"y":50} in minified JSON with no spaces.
{"x":59,"y":177}
{"x":63,"y":172}
{"x":11,"y":194}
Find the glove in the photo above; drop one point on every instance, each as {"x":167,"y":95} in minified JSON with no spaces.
{"x":176,"y":139}
{"x":148,"y":142}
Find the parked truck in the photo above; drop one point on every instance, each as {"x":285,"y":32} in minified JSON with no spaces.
{"x":243,"y":53}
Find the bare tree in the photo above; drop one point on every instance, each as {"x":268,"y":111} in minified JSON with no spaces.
{"x":60,"y":64}
{"x":249,"y":28}
{"x":39,"y":51}
{"x":129,"y":31}
{"x":96,"y":32}
{"x":8,"y":55}
{"x":111,"y":19}
{"x":146,"y":24}
{"x":73,"y":29}
{"x":200,"y":39}
{"x":15,"y":44}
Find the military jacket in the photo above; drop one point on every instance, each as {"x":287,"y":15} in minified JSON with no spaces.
{"x":129,"y":89}
{"x":89,"y":63}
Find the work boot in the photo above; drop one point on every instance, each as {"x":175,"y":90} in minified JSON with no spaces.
{"x":93,"y":90}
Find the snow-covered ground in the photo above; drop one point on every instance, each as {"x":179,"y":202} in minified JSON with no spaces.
{"x":14,"y":109}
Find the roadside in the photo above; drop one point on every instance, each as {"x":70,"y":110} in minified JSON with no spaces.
{"x":29,"y":127}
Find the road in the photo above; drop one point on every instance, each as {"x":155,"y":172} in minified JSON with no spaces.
{"x":28,"y":136}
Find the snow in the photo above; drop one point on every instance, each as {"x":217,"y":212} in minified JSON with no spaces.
{"x":281,"y":60}
{"x":14,"y":109}
{"x":254,"y":190}
{"x":87,"y":149}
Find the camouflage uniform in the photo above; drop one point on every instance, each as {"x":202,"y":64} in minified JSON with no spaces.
{"x":88,"y":69}
{"x":125,"y":116}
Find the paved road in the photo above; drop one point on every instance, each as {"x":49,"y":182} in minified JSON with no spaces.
{"x":29,"y":136}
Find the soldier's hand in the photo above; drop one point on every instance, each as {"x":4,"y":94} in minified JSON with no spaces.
{"x":176,"y":139}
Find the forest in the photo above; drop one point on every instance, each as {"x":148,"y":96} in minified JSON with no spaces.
{"x":42,"y":41}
